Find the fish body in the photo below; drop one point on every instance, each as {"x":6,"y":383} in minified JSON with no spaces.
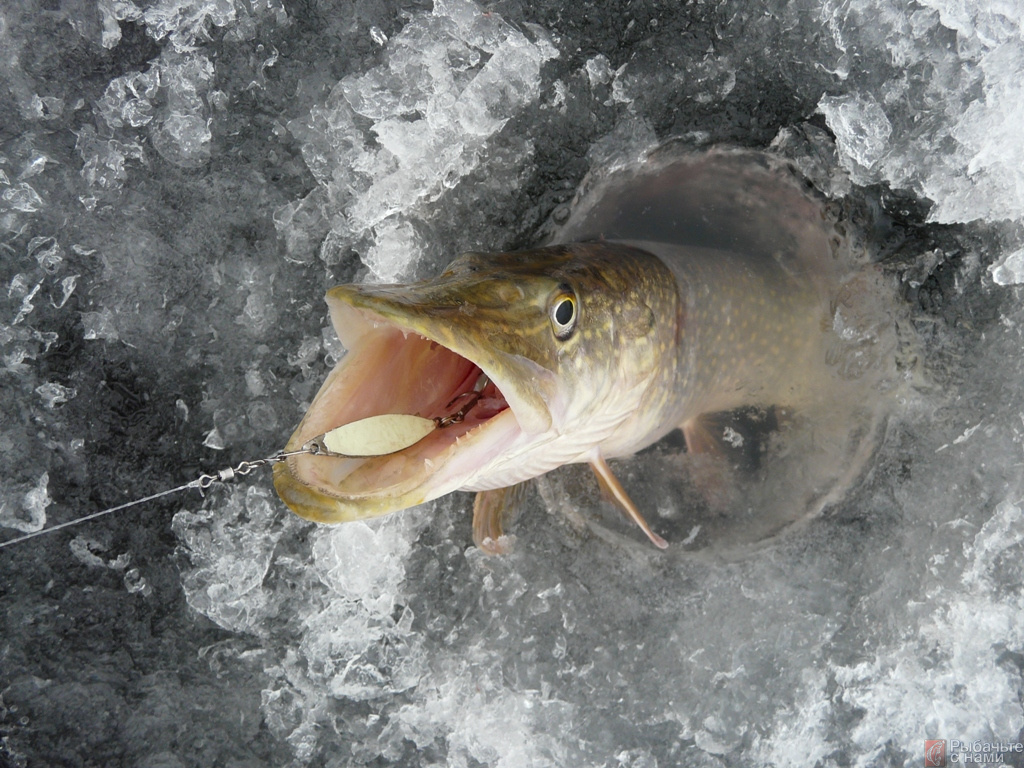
{"x":652,"y":309}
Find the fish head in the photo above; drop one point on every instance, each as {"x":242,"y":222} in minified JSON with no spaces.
{"x":559,"y":341}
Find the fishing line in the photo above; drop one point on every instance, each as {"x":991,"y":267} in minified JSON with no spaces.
{"x":373,"y":436}
{"x":201,"y":483}
{"x":94,"y":515}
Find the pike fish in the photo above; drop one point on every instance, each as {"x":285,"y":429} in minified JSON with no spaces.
{"x":685,"y":287}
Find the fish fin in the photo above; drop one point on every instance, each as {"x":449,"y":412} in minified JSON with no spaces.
{"x":710,"y":469}
{"x":738,"y":437}
{"x":728,"y":447}
{"x":613,"y":490}
{"x":492,"y":511}
{"x":702,"y":438}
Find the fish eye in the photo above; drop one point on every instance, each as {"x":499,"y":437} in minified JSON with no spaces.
{"x":564,"y":313}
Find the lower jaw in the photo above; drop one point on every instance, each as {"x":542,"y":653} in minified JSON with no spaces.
{"x":304,"y":484}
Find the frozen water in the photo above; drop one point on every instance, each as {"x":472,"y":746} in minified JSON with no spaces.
{"x":1010,"y":269}
{"x":862,"y":132}
{"x":53,"y":394}
{"x":395,"y":240}
{"x":956,"y":91}
{"x":85,"y":551}
{"x":230,"y":563}
{"x":599,"y":70}
{"x":171,"y":99}
{"x":22,"y":197}
{"x":99,"y":325}
{"x":966,"y":621}
{"x":395,"y":138}
{"x":181,"y":181}
{"x":23,"y":507}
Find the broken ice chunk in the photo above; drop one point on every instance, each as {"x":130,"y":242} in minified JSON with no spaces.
{"x":22,"y":197}
{"x":262,"y":416}
{"x":85,"y":551}
{"x":185,"y":21}
{"x":362,"y":562}
{"x":53,"y":394}
{"x":46,"y":107}
{"x":448,"y":82}
{"x":67,"y":287}
{"x":1009,"y":270}
{"x":862,"y":131}
{"x":214,"y":440}
{"x":23,"y":507}
{"x":19,"y":287}
{"x":136,"y":583}
{"x":599,"y":70}
{"x":100,"y":325}
{"x":397,"y":246}
{"x":34,"y":167}
{"x":103,"y":161}
{"x":46,"y":251}
{"x":184,"y":140}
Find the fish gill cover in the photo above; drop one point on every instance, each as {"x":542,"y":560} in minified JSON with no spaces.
{"x":181,"y":180}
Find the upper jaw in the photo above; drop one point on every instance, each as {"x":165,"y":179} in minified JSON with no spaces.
{"x":528,"y":387}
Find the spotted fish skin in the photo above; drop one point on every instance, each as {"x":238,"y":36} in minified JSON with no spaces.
{"x":742,"y":332}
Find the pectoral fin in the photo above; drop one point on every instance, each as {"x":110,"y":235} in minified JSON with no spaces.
{"x":728,"y":448}
{"x":738,"y":437}
{"x":492,"y":511}
{"x":614,"y":492}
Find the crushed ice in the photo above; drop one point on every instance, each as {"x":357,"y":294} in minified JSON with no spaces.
{"x":449,"y":83}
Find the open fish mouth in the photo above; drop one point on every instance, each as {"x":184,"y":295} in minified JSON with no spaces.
{"x":396,"y":363}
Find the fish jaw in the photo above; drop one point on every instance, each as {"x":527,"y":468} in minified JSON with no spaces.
{"x":413,"y":349}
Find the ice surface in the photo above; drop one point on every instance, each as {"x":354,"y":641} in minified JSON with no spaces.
{"x":956,"y":93}
{"x":181,"y":181}
{"x":392,"y":140}
{"x":171,"y":99}
{"x":967,"y":620}
{"x":228,"y":569}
